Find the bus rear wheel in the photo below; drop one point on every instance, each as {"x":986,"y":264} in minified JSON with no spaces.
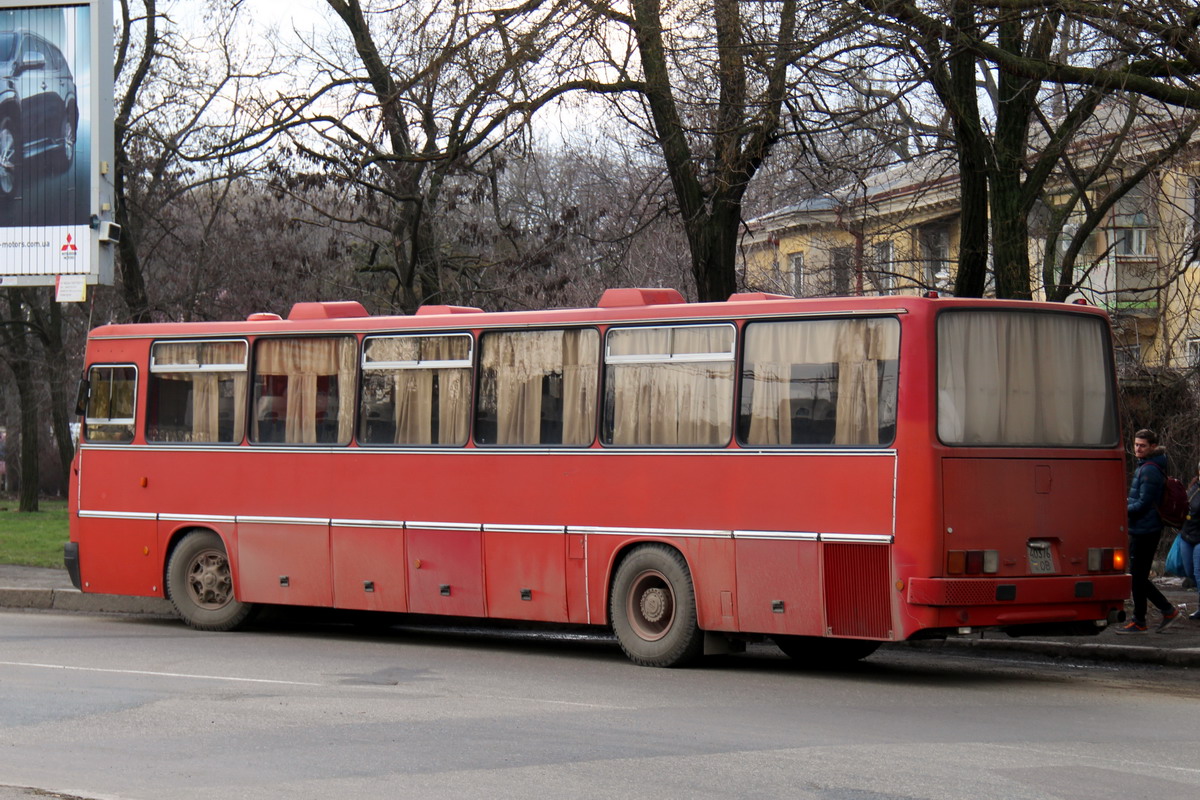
{"x":816,"y":651}
{"x":200,"y":584}
{"x":653,"y":608}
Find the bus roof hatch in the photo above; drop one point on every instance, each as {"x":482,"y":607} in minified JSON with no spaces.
{"x":340,"y":309}
{"x":623,"y":298}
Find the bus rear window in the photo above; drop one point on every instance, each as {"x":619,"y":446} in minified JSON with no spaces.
{"x":1018,"y":378}
{"x":197,"y":392}
{"x":110,"y":405}
{"x":820,"y":382}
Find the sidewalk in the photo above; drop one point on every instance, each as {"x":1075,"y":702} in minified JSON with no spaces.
{"x":50,"y":590}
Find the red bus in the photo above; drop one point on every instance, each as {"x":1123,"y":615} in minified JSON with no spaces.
{"x":831,"y":473}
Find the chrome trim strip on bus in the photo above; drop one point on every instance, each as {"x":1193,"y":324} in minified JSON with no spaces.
{"x":149,"y":515}
{"x":444,"y":526}
{"x":226,"y":520}
{"x":488,"y":528}
{"x":676,"y":532}
{"x":460,"y":325}
{"x":366,"y":523}
{"x":799,"y":536}
{"x":282,"y":520}
{"x":795,"y":536}
{"x":859,"y":538}
{"x":394,"y":450}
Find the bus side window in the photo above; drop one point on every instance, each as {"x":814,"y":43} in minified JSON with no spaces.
{"x":111,"y":404}
{"x":537,"y":387}
{"x":304,"y":390}
{"x":814,"y":382}
{"x":197,"y":392}
{"x":669,"y":385}
{"x":416,"y":390}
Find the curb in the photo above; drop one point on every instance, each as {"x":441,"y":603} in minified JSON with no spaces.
{"x":75,"y":600}
{"x":72,"y":600}
{"x":1120,"y":653}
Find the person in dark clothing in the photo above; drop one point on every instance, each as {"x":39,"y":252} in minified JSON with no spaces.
{"x":1189,"y":535}
{"x":1145,"y":529}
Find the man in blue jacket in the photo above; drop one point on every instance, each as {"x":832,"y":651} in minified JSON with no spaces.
{"x":1145,"y":529}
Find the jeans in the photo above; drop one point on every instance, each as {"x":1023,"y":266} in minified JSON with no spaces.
{"x":1191,"y":560}
{"x":1142,"y":548}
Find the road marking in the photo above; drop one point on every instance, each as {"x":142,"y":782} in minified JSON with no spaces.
{"x":552,"y":702}
{"x":156,"y":674}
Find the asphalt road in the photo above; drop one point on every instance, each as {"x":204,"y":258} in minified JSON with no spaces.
{"x":144,"y":709}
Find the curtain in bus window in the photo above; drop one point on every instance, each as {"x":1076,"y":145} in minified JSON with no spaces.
{"x":316,"y":372}
{"x":415,"y":415}
{"x":820,"y":382}
{"x":110,"y":407}
{"x":213,"y":397}
{"x":1021,"y":378}
{"x":540,"y":386}
{"x":668,"y":399}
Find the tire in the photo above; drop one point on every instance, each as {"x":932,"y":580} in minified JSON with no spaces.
{"x":10,"y":157}
{"x":200,"y":584}
{"x":69,"y":131}
{"x":815,"y":651}
{"x":653,"y":608}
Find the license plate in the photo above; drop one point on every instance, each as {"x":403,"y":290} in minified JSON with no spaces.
{"x":1041,"y":560}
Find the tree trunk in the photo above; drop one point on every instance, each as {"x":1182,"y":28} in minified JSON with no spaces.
{"x":29,"y":471}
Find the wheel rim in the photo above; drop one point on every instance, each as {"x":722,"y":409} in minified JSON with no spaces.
{"x":650,"y":605}
{"x":68,"y":137}
{"x":8,"y":154}
{"x":209,"y":584}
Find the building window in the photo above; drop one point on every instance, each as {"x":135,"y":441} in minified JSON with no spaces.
{"x":842,"y":265}
{"x":796,"y":273}
{"x":1131,"y":241}
{"x":1194,"y":208}
{"x":883,"y":267}
{"x":1128,"y":357}
{"x":1193,"y":352}
{"x":935,"y":255}
{"x":1133,"y":220}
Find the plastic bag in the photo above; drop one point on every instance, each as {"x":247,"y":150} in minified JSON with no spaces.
{"x":1174,"y":565}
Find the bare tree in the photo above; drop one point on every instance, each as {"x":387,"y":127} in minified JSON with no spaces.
{"x":425,"y":94}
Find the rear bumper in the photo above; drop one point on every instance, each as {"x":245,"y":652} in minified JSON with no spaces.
{"x":960,"y":592}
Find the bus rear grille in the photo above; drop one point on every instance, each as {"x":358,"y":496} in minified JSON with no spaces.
{"x":970,"y":593}
{"x":857,"y":596}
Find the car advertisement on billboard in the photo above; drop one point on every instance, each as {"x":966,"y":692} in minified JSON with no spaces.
{"x":46,"y":127}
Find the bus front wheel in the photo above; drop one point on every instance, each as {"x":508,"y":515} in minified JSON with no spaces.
{"x":653,"y":608}
{"x":816,"y":651}
{"x":200,"y":584}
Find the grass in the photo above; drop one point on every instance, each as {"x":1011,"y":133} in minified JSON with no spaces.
{"x":33,"y":540}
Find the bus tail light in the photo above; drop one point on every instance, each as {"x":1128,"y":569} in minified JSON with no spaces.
{"x":972,"y":562}
{"x":1106,"y":559}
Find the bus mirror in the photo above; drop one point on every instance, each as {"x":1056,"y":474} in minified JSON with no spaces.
{"x":81,"y":397}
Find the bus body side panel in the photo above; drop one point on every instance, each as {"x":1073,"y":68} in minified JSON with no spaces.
{"x":779,"y":587}
{"x":121,"y":555}
{"x":283,"y":562}
{"x":369,"y":567}
{"x":526,"y":575}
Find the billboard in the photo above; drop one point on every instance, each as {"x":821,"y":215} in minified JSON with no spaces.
{"x":56,"y":143}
